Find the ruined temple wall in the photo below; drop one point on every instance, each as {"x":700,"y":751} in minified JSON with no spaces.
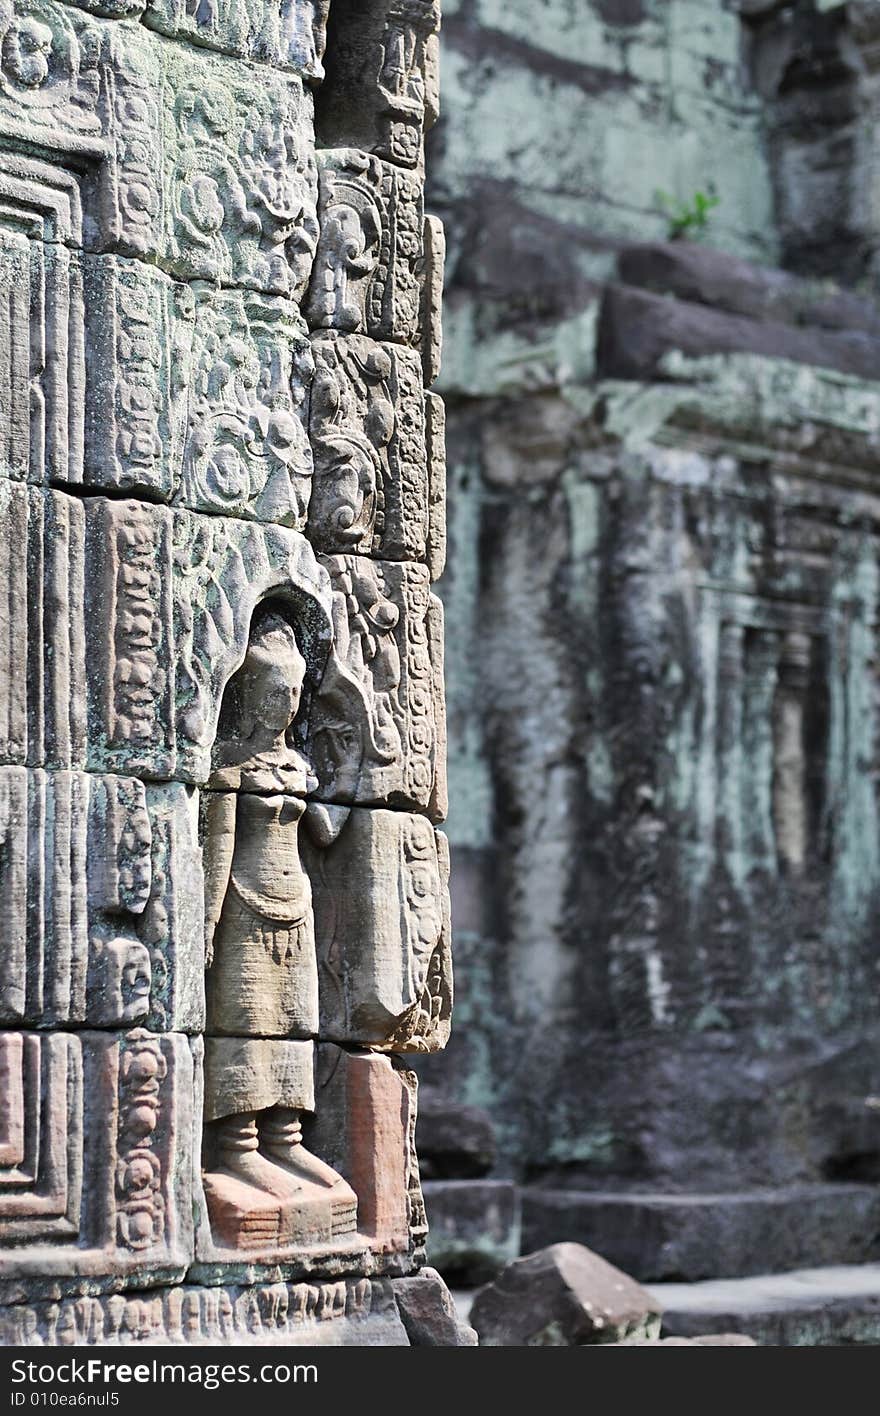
{"x":660,"y":601}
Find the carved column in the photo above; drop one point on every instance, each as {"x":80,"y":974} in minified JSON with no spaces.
{"x":221,"y":677}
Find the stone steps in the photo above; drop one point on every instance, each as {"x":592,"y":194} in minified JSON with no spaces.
{"x":819,"y":1307}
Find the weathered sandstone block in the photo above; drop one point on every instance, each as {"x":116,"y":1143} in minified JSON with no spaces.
{"x":365,"y":1118}
{"x":564,"y":1296}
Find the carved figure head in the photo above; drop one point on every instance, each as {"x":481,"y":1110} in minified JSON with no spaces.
{"x":203,"y":112}
{"x":348,"y":252}
{"x":27,"y":48}
{"x":269,"y":682}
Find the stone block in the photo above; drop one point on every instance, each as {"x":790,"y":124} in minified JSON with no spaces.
{"x":42,"y":337}
{"x":698,"y":1236}
{"x":42,"y":680}
{"x":195,"y":395}
{"x":95,"y":1169}
{"x":138,"y":342}
{"x":433,"y":268}
{"x":273,"y":1223}
{"x":428,"y":1312}
{"x":170,"y":600}
{"x":370,"y":261}
{"x":435,"y":420}
{"x":357,"y":1312}
{"x":836,"y":1306}
{"x":367,"y":425}
{"x":288,"y":34}
{"x":364,"y":1127}
{"x":202,"y":163}
{"x":381,"y":91}
{"x":246,"y":452}
{"x":694,"y":272}
{"x":564,"y":1296}
{"x":239,"y":181}
{"x":377,"y":728}
{"x":101,"y":901}
{"x":456,"y":1142}
{"x":638,"y":330}
{"x":380,"y":897}
{"x":474,"y":1227}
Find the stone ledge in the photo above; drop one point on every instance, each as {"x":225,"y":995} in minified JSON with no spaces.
{"x":819,"y":1307}
{"x":695,"y":1236}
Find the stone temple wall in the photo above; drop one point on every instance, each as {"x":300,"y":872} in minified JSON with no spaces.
{"x":662,"y":626}
{"x":221,"y":670}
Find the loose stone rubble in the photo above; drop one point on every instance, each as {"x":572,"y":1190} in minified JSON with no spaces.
{"x":224,"y":897}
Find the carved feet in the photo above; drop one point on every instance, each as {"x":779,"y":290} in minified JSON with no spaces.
{"x":266,"y":1191}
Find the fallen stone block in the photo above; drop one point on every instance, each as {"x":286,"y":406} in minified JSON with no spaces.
{"x":694,"y":1236}
{"x":564,"y":1296}
{"x":694,"y":272}
{"x":835,"y":1306}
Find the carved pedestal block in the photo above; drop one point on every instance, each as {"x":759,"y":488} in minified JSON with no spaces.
{"x":365,"y":1120}
{"x":354,"y":1312}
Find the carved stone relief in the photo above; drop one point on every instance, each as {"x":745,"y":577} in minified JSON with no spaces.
{"x":368,"y":433}
{"x":368,"y":264}
{"x":288,"y":34}
{"x":96,"y":894}
{"x":377,"y":727}
{"x":246,"y":450}
{"x":239,"y":175}
{"x":384,"y":947}
{"x":346,"y":1312}
{"x":94,"y":1172}
{"x":221,"y":698}
{"x":383,"y":91}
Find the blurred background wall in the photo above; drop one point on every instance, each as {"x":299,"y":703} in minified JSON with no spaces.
{"x":661,"y":604}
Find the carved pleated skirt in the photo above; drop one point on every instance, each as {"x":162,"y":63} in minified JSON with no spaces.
{"x":264,"y":978}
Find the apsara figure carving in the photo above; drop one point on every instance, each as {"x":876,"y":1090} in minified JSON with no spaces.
{"x":263,"y":1189}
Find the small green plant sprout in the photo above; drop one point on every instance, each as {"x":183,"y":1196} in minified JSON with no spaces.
{"x":687,"y":219}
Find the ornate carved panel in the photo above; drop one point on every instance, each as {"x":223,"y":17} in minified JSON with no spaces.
{"x":382,"y":926}
{"x":95,"y":1176}
{"x":368,"y":434}
{"x":369,"y":262}
{"x":377,"y":728}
